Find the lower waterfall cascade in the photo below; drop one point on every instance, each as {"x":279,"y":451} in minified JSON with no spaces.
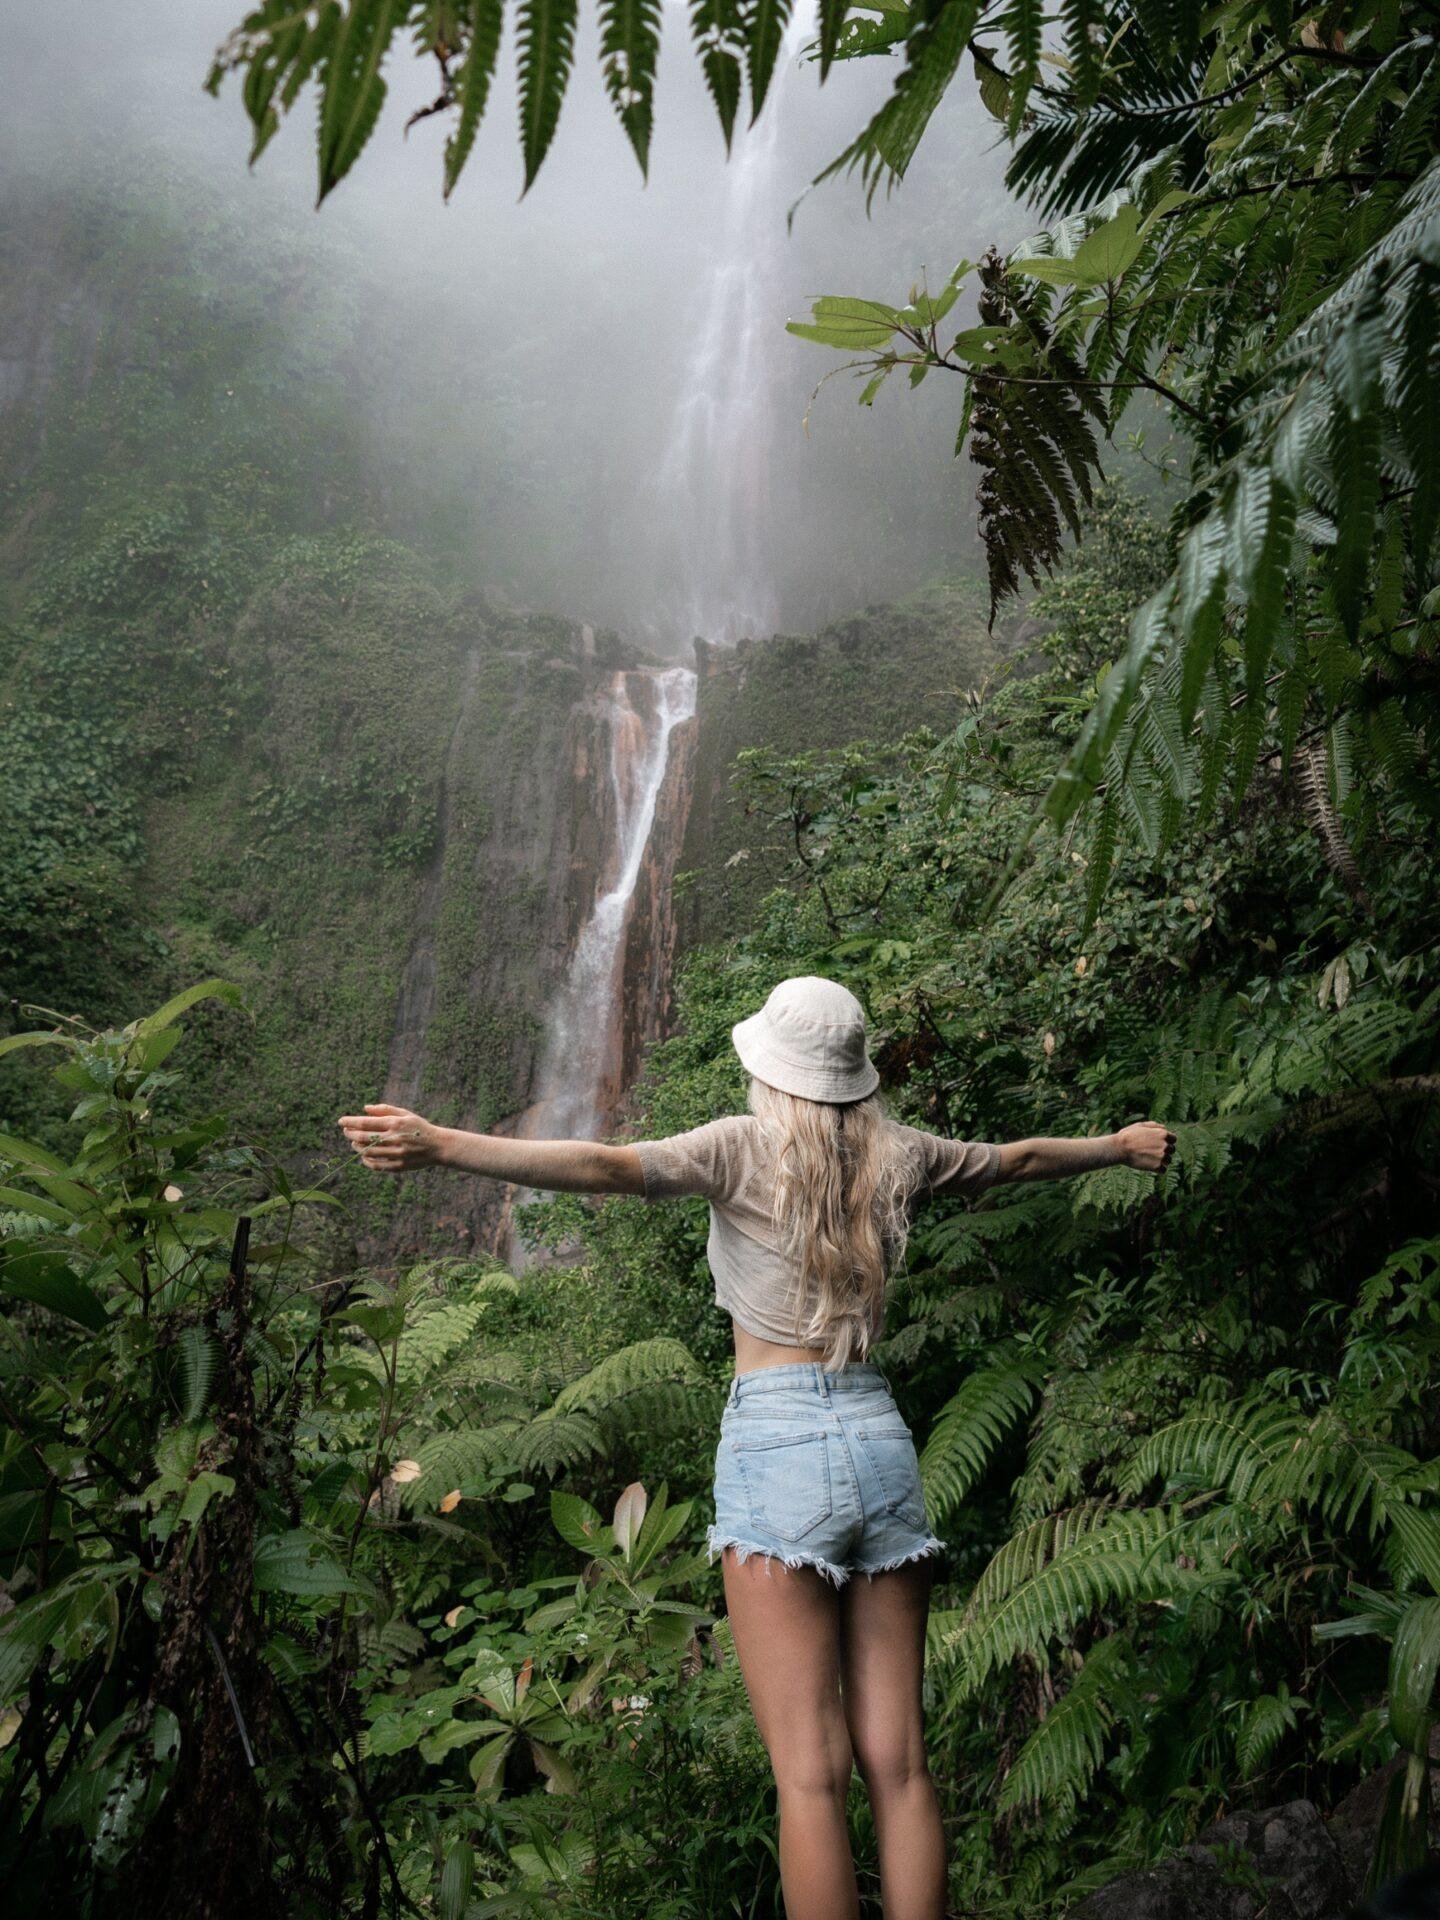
{"x":580,"y":1075}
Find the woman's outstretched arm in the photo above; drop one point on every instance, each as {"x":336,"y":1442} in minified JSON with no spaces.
{"x":1146,"y":1146}
{"x":394,"y":1140}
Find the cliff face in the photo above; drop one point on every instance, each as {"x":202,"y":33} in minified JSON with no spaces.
{"x":551,"y":769}
{"x":872,"y":677}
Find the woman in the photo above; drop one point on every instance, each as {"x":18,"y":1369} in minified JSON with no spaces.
{"x":816,"y":1474}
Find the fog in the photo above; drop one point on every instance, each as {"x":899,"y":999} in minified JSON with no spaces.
{"x":592,"y":382}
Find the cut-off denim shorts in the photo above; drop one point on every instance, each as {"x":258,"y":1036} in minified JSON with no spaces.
{"x":819,"y":1470}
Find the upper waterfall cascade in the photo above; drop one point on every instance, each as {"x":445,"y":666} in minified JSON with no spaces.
{"x":715,"y":475}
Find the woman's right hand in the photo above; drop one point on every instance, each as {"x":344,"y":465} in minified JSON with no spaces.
{"x":1146,"y":1146}
{"x":392,"y":1139}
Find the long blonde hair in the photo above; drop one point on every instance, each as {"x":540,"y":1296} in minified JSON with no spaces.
{"x":844,"y":1179}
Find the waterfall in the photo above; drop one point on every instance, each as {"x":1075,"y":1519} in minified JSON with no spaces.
{"x":581,"y":1065}
{"x":714,"y":481}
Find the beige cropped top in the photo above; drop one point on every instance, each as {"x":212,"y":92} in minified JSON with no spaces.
{"x":729,"y":1164}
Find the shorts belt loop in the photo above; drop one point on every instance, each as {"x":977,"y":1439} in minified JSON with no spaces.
{"x":822,"y":1382}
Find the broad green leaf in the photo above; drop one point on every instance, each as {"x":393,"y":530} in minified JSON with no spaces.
{"x":1055,"y":272}
{"x":297,"y":1563}
{"x":46,"y":1279}
{"x":24,"y":1154}
{"x":577,"y":1522}
{"x":224,"y":990}
{"x":1414,"y":1664}
{"x":12,"y":1043}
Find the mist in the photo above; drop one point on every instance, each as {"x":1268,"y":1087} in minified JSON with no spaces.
{"x":591,"y":386}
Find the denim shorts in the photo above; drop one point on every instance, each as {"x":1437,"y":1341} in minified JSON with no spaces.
{"x":818,"y":1469}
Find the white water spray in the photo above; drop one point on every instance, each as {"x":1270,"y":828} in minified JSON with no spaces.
{"x":714,"y":479}
{"x":579,"y":1075}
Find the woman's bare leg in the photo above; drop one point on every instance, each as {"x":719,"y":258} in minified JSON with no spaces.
{"x":786,"y":1626}
{"x":882,"y":1659}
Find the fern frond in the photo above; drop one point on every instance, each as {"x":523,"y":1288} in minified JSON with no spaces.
{"x":546,"y":35}
{"x":460,"y":1459}
{"x":352,"y":89}
{"x":969,"y":1428}
{"x":197,"y":1355}
{"x":629,"y":55}
{"x":1061,"y":1756}
{"x":1264,"y":1724}
{"x":631,"y":1370}
{"x":932,"y":53}
{"x":486,"y":20}
{"x":1057,"y":1571}
{"x":553,"y":1442}
{"x":718,"y":30}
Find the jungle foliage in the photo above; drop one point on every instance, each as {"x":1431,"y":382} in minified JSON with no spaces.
{"x":285,"y":1539}
{"x":300,"y":1615}
{"x":1180,"y":1436}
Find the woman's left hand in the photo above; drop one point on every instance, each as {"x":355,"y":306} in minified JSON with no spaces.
{"x":1146,"y":1146}
{"x":392,"y":1139}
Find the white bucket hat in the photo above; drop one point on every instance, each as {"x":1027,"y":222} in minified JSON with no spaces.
{"x":809,"y":1039}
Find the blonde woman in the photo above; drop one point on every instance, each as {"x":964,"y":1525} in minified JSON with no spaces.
{"x":816,"y":1478}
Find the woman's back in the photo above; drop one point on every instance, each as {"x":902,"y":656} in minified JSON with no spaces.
{"x":732,"y":1164}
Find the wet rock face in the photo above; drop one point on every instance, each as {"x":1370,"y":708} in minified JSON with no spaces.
{"x":1284,"y":1863}
{"x":1287,"y":1854}
{"x":553,"y":747}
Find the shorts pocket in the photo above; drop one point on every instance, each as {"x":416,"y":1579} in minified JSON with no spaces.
{"x":786,"y":1477}
{"x":890,"y":1448}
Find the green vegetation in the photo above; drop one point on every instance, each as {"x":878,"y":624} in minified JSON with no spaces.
{"x":1247,"y":218}
{"x":1180,"y":1437}
{"x":289,"y":1625}
{"x":870,"y":677}
{"x":258,"y":1502}
{"x":229,"y":674}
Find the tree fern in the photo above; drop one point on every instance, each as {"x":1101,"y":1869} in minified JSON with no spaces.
{"x":464,"y":1458}
{"x":641,"y":1368}
{"x":554,"y":1442}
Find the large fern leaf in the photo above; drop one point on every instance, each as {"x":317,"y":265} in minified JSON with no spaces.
{"x":629,"y":54}
{"x":1058,"y":1570}
{"x":1061,"y":1756}
{"x":546,"y":35}
{"x":352,"y":89}
{"x":969,"y":1428}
